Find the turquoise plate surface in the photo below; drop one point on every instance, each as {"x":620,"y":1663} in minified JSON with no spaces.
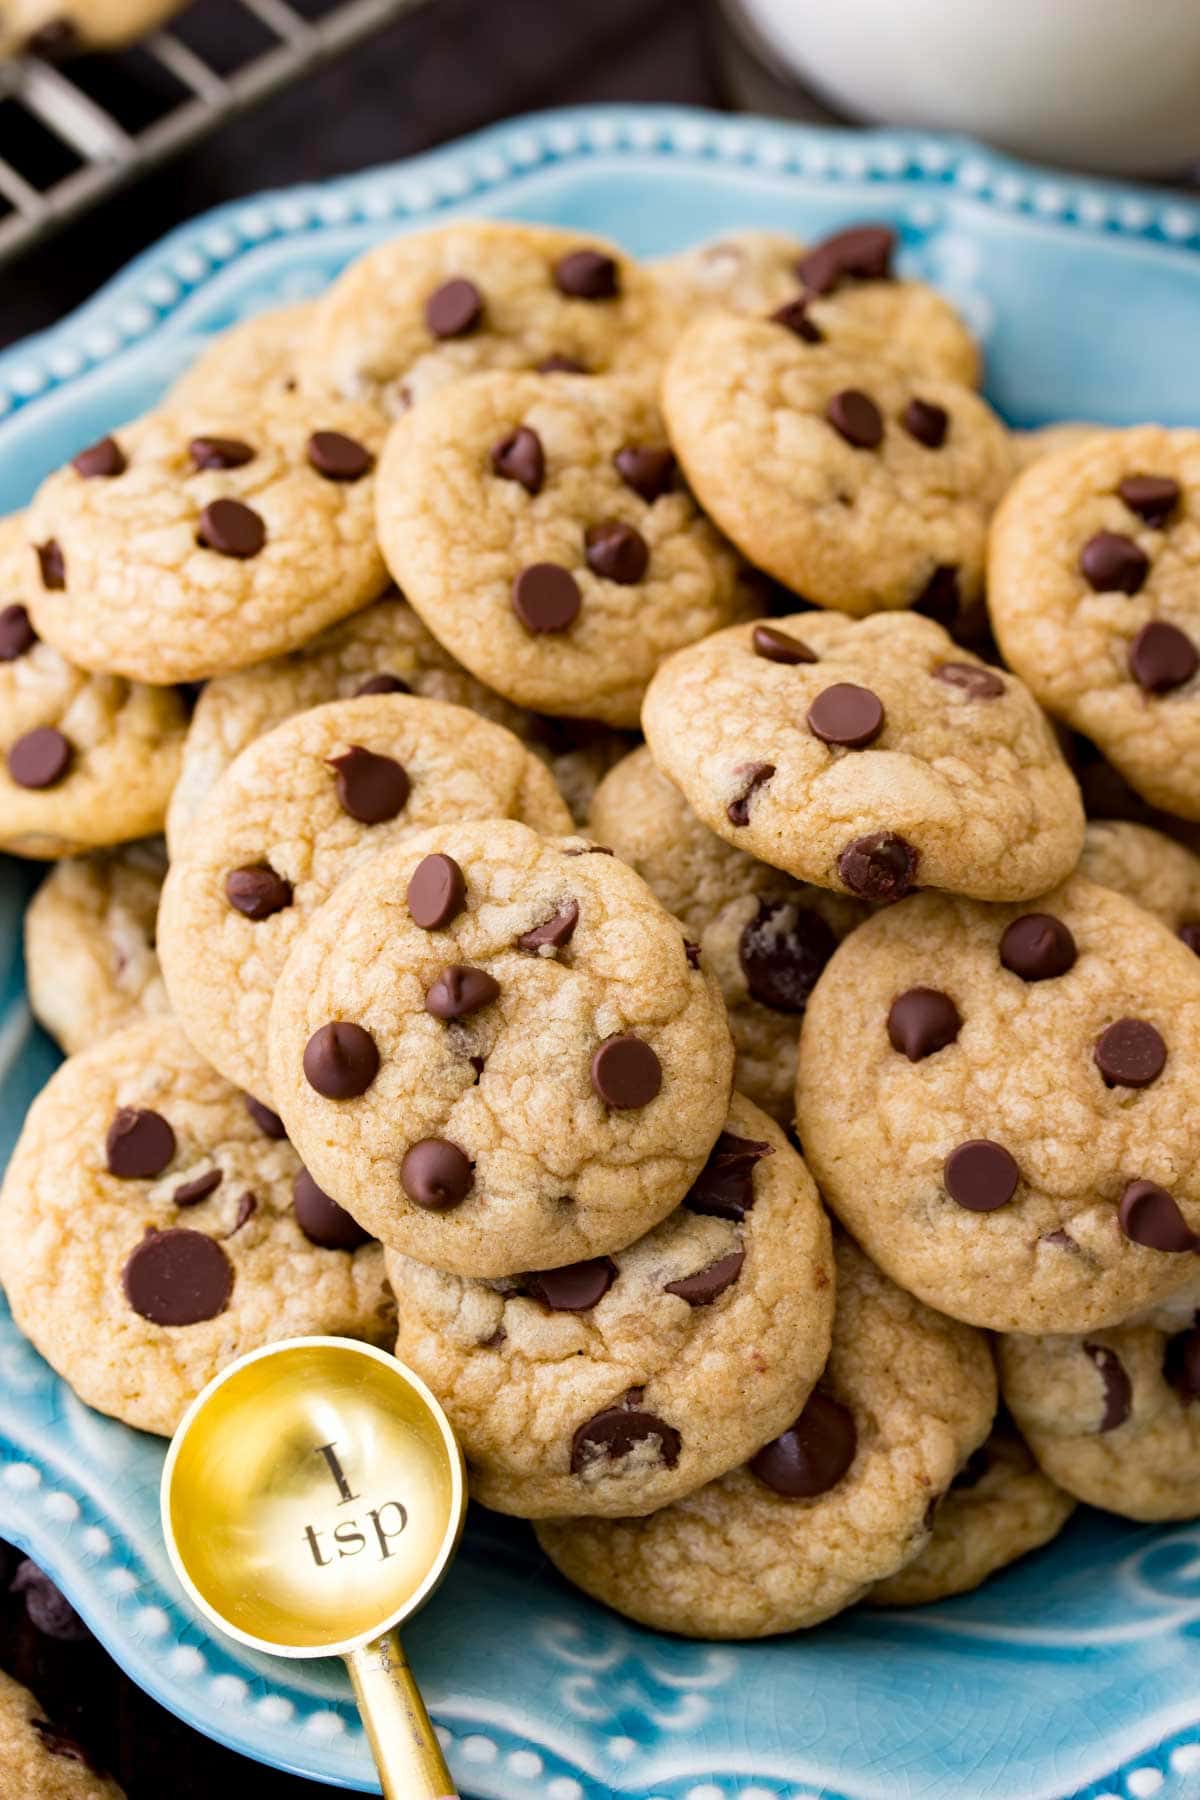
{"x":1078,"y":1673}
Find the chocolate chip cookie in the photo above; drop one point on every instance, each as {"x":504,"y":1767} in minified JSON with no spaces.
{"x":868,"y":756}
{"x":40,"y":1762}
{"x":257,"y":355}
{"x":998,"y":1102}
{"x":1148,"y":867}
{"x":837,"y":1502}
{"x":495,"y":1050}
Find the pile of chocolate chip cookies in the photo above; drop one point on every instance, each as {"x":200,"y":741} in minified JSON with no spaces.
{"x":457,"y":1016}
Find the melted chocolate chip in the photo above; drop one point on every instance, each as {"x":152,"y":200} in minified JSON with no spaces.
{"x":546,"y":597}
{"x":782,"y":951}
{"x":1037,"y":947}
{"x":587,"y":275}
{"x":753,"y":776}
{"x":139,"y":1144}
{"x":102,"y":460}
{"x":178,"y":1277}
{"x":231,"y":529}
{"x":41,"y":758}
{"x":860,"y":253}
{"x":780,"y":647}
{"x":1112,"y":563}
{"x":1152,"y":497}
{"x":793,"y":316}
{"x":846,"y":716}
{"x":880,"y":867}
{"x":1118,"y":1393}
{"x":626,"y":1073}
{"x":856,"y":418}
{"x":268,"y":1122}
{"x":371,"y":788}
{"x":220,"y":453}
{"x":649,"y":469}
{"x":980,"y":1175}
{"x":341,"y":1060}
{"x":322,"y":1220}
{"x":17,"y":636}
{"x":576,"y":1288}
{"x":436,"y":1174}
{"x":191,"y":1193}
{"x":1130,"y":1053}
{"x":616,"y":552}
{"x":724,"y":1188}
{"x":617,"y":1430}
{"x":51,"y":565}
{"x":437,"y":892}
{"x":926,"y":422}
{"x":459,"y":991}
{"x":519,"y":457}
{"x":813,"y":1454}
{"x":707,"y":1284}
{"x":555,"y":932}
{"x":338,"y":457}
{"x":1148,"y":1215}
{"x":922,"y":1022}
{"x":454,"y":309}
{"x":974,"y":680}
{"x":257,"y":892}
{"x":1161,"y":657}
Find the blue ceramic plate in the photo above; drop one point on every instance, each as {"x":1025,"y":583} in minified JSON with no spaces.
{"x":1078,"y":1673}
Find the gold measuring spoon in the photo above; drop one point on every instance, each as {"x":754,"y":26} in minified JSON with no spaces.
{"x":312,"y":1499}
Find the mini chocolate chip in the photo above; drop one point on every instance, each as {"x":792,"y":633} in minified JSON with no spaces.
{"x":556,"y":931}
{"x":926,"y":422}
{"x":980,"y":1175}
{"x":247,"y":1206}
{"x":178,"y":1277}
{"x":47,"y":1608}
{"x":1112,"y":563}
{"x":724,"y":1188}
{"x":139,"y":1144}
{"x":1181,"y":1363}
{"x":782,"y":950}
{"x":1152,"y":497}
{"x":1037,"y":947}
{"x":437,"y":892}
{"x":881,"y":866}
{"x":1118,"y":1393}
{"x":1130,"y":1053}
{"x":855,"y":417}
{"x":922,"y":1022}
{"x":454,"y":309}
{"x":813,"y":1454}
{"x":436,"y":1174}
{"x":649,"y":469}
{"x":322,"y":1220}
{"x":1190,"y":934}
{"x":793,"y":316}
{"x":268,"y":1122}
{"x":780,"y":647}
{"x":941,"y":597}
{"x":692,"y":952}
{"x":519,"y":457}
{"x":707,"y":1285}
{"x":256,"y":891}
{"x":560,"y":365}
{"x":104,"y":458}
{"x":846,"y":716}
{"x":1161,"y":657}
{"x":41,"y":758}
{"x":191,"y":1193}
{"x":576,"y":1288}
{"x":546,"y":597}
{"x":338,"y":457}
{"x":1148,"y":1215}
{"x":626,"y":1073}
{"x":231,"y":529}
{"x":17,"y":635}
{"x":220,"y":453}
{"x":340,"y":1060}
{"x":860,"y":253}
{"x":52,"y":564}
{"x":616,"y":551}
{"x":975,"y":681}
{"x":371,"y":788}
{"x":587,"y":275}
{"x":614,"y":1432}
{"x":459,"y":991}
{"x":753,"y":777}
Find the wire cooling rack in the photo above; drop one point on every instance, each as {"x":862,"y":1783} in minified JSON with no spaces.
{"x":71,"y":135}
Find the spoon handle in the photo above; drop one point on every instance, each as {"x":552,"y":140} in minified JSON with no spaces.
{"x":407,"y":1753}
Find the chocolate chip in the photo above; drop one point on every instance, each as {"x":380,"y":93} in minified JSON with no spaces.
{"x":860,"y":253}
{"x":546,"y":597}
{"x":436,"y":1174}
{"x":556,"y":931}
{"x":692,"y":952}
{"x":649,"y":469}
{"x":974,"y":680}
{"x":926,"y":422}
{"x":520,"y":457}
{"x":706,"y":1285}
{"x":231,"y":529}
{"x":322,"y":1220}
{"x":1112,"y":563}
{"x":104,"y":459}
{"x":813,"y":1454}
{"x":855,"y":417}
{"x":1181,"y":1363}
{"x":1161,"y":657}
{"x":41,"y":758}
{"x":1118,"y":1392}
{"x":1037,"y":947}
{"x":922,"y":1022}
{"x":454,"y":309}
{"x":846,"y":716}
{"x":381,"y":684}
{"x":1148,"y":1215}
{"x":782,"y":951}
{"x":1152,"y":497}
{"x":780,"y":647}
{"x":437,"y":892}
{"x":17,"y":635}
{"x":980,"y":1175}
{"x":338,"y":457}
{"x":626,"y":1072}
{"x":340,"y":1060}
{"x":724,"y":1188}
{"x":616,"y":552}
{"x":1130,"y":1053}
{"x":459,"y":991}
{"x":256,"y":891}
{"x":47,"y":1608}
{"x":881,"y":866}
{"x":139,"y":1144}
{"x":753,"y":776}
{"x":51,"y":564}
{"x":575,"y":1288}
{"x":191,"y":1193}
{"x":178,"y":1277}
{"x":616,"y":1431}
{"x":247,"y":1206}
{"x":268,"y":1122}
{"x":1190,"y":934}
{"x":1062,"y":1239}
{"x":560,"y":365}
{"x":220,"y":453}
{"x":940,"y":598}
{"x":587,"y":275}
{"x":793,"y":316}
{"x":371,"y":788}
